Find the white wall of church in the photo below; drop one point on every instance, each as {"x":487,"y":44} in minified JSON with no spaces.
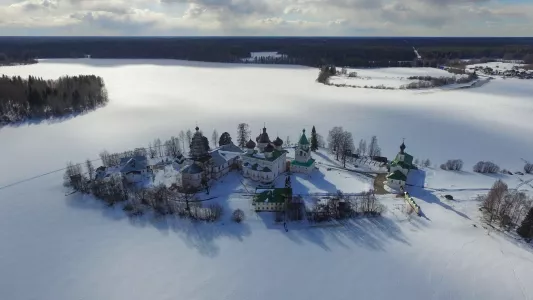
{"x":394,"y":168}
{"x":277,"y":167}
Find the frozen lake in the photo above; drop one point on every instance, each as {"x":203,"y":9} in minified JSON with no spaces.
{"x":158,"y":98}
{"x":56,"y":247}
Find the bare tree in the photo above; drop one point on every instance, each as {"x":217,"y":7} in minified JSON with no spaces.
{"x":158,"y":146}
{"x":90,"y":169}
{"x":72,"y":177}
{"x":452,"y":165}
{"x":182,"y":139}
{"x":189,"y":138}
{"x":215,"y":212}
{"x":214,"y":138}
{"x":528,"y":168}
{"x":321,"y":142}
{"x":243,"y":134}
{"x":486,"y":167}
{"x":361,"y":150}
{"x":140,"y":152}
{"x":152,"y":151}
{"x":346,"y":146}
{"x":104,"y":156}
{"x":172,"y":147}
{"x":426,"y":163}
{"x":335,"y":137}
{"x":494,"y":199}
{"x":373,"y":147}
{"x":237,"y":216}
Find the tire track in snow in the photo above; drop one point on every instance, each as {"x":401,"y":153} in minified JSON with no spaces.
{"x":449,"y":260}
{"x":520,"y":284}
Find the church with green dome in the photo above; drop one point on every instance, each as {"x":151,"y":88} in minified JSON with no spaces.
{"x":302,"y":163}
{"x":399,"y":168}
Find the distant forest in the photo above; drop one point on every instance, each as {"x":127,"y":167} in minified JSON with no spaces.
{"x":22,"y":99}
{"x":309,"y":51}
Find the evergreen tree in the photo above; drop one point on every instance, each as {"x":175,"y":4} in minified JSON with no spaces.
{"x":225,"y":139}
{"x":526,"y":228}
{"x":243,"y":134}
{"x":314,"y":140}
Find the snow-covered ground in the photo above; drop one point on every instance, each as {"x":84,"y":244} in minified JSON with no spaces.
{"x":388,"y":77}
{"x":57,"y":247}
{"x":502,"y":66}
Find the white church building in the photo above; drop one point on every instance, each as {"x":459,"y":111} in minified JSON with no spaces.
{"x":303,"y":163}
{"x":266,"y":162}
{"x":399,"y":168}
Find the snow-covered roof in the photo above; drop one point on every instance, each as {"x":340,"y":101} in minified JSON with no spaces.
{"x":231,"y":147}
{"x":397,"y":175}
{"x":134,"y":164}
{"x":259,"y":155}
{"x":221,"y":157}
{"x":139,"y":158}
{"x":192,"y":169}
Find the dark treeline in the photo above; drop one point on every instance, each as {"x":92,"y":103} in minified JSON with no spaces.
{"x":22,"y":99}
{"x":16,"y":60}
{"x":310,"y":51}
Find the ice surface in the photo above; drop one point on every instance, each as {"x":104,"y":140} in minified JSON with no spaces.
{"x":57,"y":247}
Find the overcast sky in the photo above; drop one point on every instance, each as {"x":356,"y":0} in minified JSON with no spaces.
{"x":268,"y":17}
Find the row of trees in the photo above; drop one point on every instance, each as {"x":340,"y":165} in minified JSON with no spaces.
{"x":504,"y":206}
{"x":486,"y":167}
{"x":342,"y":206}
{"x":429,"y":81}
{"x":341,"y":143}
{"x":21,"y":99}
{"x":424,"y":162}
{"x":17,"y":60}
{"x":452,"y":165}
{"x":311,"y":51}
{"x":137,"y":200}
{"x":325,"y":73}
{"x":158,"y":149}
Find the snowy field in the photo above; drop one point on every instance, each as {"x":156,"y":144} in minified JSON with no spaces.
{"x":502,"y":66}
{"x":57,"y":247}
{"x":388,"y":77}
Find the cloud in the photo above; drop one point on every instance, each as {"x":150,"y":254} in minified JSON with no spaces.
{"x":268,"y":17}
{"x":34,"y":5}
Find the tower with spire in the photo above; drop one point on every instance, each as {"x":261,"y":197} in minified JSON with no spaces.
{"x":303,"y":163}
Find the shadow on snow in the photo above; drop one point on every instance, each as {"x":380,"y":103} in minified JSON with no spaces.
{"x":199,"y":235}
{"x":427,"y":196}
{"x":48,"y":121}
{"x":373,"y":233}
